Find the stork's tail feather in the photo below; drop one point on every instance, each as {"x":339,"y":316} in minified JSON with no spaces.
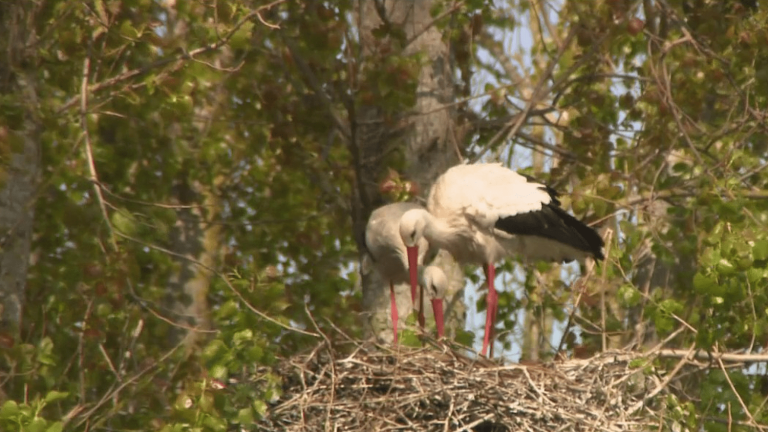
{"x":590,"y":240}
{"x":554,"y":223}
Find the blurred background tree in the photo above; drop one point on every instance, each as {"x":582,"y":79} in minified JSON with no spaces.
{"x":184,"y":188}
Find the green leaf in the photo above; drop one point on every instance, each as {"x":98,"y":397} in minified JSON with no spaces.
{"x":45,"y":352}
{"x":38,"y":424}
{"x":219,"y":372}
{"x":725,"y":267}
{"x":704,"y":284}
{"x":245,"y":416}
{"x":55,"y":427}
{"x":127,"y":30}
{"x":124,"y":222}
{"x":255,"y":353}
{"x":760,"y":250}
{"x":9,"y":410}
{"x":744,"y":263}
{"x":242,"y":37}
{"x":242,"y":336}
{"x":215,"y":350}
{"x":230,"y":308}
{"x":260,"y":407}
{"x":629,"y":295}
{"x":104,"y":310}
{"x":409,"y":338}
{"x":215,"y":423}
{"x":755,"y":274}
{"x":54,"y":395}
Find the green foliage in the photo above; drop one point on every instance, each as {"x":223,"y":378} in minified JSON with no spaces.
{"x":227,"y":125}
{"x":27,"y":418}
{"x":175,"y":141}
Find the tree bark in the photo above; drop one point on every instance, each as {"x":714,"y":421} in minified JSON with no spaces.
{"x":20,"y":156}
{"x":431,"y":143}
{"x":196,"y":242}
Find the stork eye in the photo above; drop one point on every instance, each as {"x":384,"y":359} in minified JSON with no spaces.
{"x":413,"y":234}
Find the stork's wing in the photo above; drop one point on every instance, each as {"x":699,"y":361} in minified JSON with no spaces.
{"x":492,"y":192}
{"x":498,"y":200}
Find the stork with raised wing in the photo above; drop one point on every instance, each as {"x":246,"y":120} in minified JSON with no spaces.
{"x":391,"y":259}
{"x":484,"y":212}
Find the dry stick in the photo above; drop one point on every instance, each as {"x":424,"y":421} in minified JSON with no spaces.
{"x":153,"y":204}
{"x":647,"y":297}
{"x":333,"y":366}
{"x":761,"y":406}
{"x":80,"y":353}
{"x":573,"y":311}
{"x":608,"y":238}
{"x":93,"y":176}
{"x":109,"y":362}
{"x":730,"y":417}
{"x":447,"y":421}
{"x":475,"y":423}
{"x":667,"y":379}
{"x":649,"y":357}
{"x":738,"y":396}
{"x":432,"y":23}
{"x":517,"y":122}
{"x":110,"y":394}
{"x":578,"y":298}
{"x":145,"y":304}
{"x":736,"y":422}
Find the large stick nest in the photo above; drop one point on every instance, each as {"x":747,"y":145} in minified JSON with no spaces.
{"x":438,"y":389}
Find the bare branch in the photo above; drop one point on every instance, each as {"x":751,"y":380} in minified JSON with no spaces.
{"x":94,"y":177}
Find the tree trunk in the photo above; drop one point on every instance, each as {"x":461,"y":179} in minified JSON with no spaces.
{"x":431,"y":147}
{"x":20,"y":153}
{"x":196,"y":241}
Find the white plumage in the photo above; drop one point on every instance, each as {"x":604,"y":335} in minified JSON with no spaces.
{"x":484,"y":212}
{"x":391,"y":258}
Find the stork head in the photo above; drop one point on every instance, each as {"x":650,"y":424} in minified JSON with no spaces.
{"x":434,"y":281}
{"x":412,"y":225}
{"x":435,"y":285}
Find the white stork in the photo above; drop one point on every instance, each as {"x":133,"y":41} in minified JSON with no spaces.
{"x":391,"y":259}
{"x":433,"y":281}
{"x":484,"y":212}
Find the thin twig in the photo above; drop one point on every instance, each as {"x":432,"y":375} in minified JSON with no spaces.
{"x":223,"y":278}
{"x":608,"y":241}
{"x":93,"y":175}
{"x":667,"y":379}
{"x":116,"y":390}
{"x":736,"y":393}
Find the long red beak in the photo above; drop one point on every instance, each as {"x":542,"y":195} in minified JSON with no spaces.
{"x":437,"y":308}
{"x":413,"y":269}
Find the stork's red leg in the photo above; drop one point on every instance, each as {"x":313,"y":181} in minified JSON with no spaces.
{"x":437,"y":308}
{"x":492,"y":304}
{"x":413,"y":269}
{"x":421,"y":307}
{"x":393,"y":306}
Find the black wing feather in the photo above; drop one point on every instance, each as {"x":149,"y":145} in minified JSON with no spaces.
{"x":554,"y":223}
